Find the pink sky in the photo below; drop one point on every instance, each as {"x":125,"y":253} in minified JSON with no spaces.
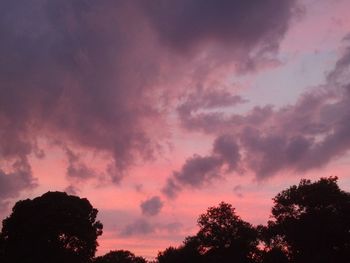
{"x":108,"y":103}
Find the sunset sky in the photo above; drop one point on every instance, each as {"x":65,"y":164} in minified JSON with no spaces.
{"x":155,"y":110}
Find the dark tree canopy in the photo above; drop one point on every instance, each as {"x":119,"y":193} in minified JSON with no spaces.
{"x":171,"y":255}
{"x":312,"y":222}
{"x":54,"y":227}
{"x":225,"y":237}
{"x":119,"y":256}
{"x":273,"y":255}
{"x":2,"y":248}
{"x":187,"y":253}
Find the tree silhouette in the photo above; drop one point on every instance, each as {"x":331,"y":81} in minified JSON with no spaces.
{"x":54,"y":227}
{"x":171,"y":255}
{"x":311,"y":222}
{"x":225,"y":237}
{"x":119,"y":256}
{"x":2,"y":248}
{"x":187,"y":253}
{"x":274,"y":255}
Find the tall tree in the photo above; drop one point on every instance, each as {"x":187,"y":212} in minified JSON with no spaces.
{"x":225,"y":237}
{"x":54,"y":227}
{"x":311,"y":221}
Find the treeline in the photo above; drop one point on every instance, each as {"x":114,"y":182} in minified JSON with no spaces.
{"x":309,"y":223}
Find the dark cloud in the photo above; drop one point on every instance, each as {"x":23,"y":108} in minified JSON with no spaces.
{"x":73,"y":73}
{"x":225,"y":146}
{"x":307,"y":135}
{"x":198,"y":170}
{"x":151,"y":206}
{"x":243,"y":24}
{"x":304,"y":136}
{"x":171,"y":188}
{"x":95,"y":75}
{"x":17,"y":178}
{"x":201,"y":170}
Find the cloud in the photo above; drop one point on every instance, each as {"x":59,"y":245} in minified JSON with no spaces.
{"x":201,"y":98}
{"x":17,"y":178}
{"x":225,"y":146}
{"x":238,"y":191}
{"x":142,"y":227}
{"x":71,"y":190}
{"x":186,"y":23}
{"x":74,"y":73}
{"x":152,"y":206}
{"x":171,"y":188}
{"x":205,"y":103}
{"x":300,"y":137}
{"x":76,"y":169}
{"x":138,"y":227}
{"x":65,"y":73}
{"x":199,"y":171}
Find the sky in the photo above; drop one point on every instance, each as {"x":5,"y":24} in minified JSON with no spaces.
{"x":157,"y":110}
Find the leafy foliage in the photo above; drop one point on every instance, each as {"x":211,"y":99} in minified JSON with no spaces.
{"x":54,"y":227}
{"x":311,"y":222}
{"x":224,"y":236}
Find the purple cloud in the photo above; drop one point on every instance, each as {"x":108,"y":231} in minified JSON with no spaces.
{"x":142,"y":227}
{"x":138,"y":227}
{"x":151,"y":206}
{"x":225,"y":146}
{"x":77,"y":169}
{"x":186,"y":23}
{"x":199,"y":171}
{"x":73,"y":73}
{"x":307,"y":135}
{"x":65,"y":74}
{"x":17,"y":178}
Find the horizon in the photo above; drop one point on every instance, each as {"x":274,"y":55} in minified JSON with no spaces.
{"x":153,"y":259}
{"x":156,"y":111}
